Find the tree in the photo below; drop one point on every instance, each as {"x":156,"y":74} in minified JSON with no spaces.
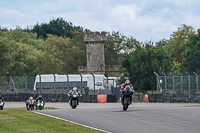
{"x":62,"y":55}
{"x":58,"y":27}
{"x":115,"y":45}
{"x":19,"y":51}
{"x":141,"y":63}
{"x":191,"y":55}
{"x":176,"y":44}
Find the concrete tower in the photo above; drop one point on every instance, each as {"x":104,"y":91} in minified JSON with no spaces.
{"x":95,"y":53}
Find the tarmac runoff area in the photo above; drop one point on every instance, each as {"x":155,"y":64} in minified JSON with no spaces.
{"x":65,"y":105}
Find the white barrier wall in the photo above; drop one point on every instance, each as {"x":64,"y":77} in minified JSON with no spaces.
{"x":100,"y":80}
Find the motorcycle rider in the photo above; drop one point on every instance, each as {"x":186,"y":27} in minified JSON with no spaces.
{"x":70,"y":92}
{"x":27,"y":101}
{"x":2,"y":99}
{"x":127,"y":82}
{"x":39,"y":98}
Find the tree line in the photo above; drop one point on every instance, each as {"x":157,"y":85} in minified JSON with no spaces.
{"x":58,"y":47}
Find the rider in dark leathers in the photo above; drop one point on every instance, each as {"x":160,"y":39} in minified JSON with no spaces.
{"x":70,"y":92}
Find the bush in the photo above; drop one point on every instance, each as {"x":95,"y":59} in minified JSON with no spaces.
{"x":86,"y":90}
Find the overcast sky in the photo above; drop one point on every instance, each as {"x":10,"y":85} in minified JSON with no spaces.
{"x":145,"y":20}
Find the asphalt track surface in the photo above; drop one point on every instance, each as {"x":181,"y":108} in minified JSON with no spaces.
{"x":139,"y":118}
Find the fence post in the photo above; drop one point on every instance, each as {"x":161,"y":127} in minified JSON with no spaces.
{"x":181,"y":82}
{"x":67,"y":80}
{"x":172,"y":81}
{"x":26,"y":81}
{"x":10,"y":81}
{"x":81,"y":82}
{"x":156,"y":81}
{"x":106,"y":78}
{"x":197,"y":83}
{"x":40,"y":82}
{"x":188,"y":82}
{"x":54,"y":83}
{"x":94,"y":82}
{"x":165,"y":81}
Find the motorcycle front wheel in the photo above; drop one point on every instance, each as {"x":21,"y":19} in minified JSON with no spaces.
{"x":125,"y":104}
{"x":40,"y":107}
{"x":74,"y":104}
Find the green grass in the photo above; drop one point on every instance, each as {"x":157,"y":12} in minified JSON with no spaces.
{"x":19,"y":120}
{"x":192,"y":106}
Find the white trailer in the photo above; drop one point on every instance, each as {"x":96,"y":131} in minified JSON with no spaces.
{"x":100,"y":80}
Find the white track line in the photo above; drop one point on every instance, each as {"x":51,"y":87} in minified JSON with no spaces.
{"x":72,"y":122}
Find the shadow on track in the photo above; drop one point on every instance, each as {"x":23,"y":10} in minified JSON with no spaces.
{"x":130,"y":110}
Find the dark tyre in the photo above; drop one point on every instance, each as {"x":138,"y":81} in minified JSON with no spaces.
{"x":125,"y":107}
{"x":40,"y":108}
{"x":74,"y":104}
{"x":1,"y":108}
{"x":127,"y":102}
{"x":32,"y":107}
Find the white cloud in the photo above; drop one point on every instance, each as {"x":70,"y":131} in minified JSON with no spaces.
{"x":144,"y":20}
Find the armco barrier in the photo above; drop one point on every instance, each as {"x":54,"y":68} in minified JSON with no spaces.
{"x":170,"y":98}
{"x":111,"y":98}
{"x":22,"y":97}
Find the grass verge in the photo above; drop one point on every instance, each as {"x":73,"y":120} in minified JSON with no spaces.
{"x":19,"y":120}
{"x":192,"y":106}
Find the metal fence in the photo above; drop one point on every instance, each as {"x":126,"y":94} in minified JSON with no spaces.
{"x":20,"y":87}
{"x":178,"y":84}
{"x":13,"y":84}
{"x":26,"y":83}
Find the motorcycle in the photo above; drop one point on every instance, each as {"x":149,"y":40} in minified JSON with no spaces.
{"x":74,"y":99}
{"x":127,"y":94}
{"x":1,"y":104}
{"x":40,"y":105}
{"x":31,"y":104}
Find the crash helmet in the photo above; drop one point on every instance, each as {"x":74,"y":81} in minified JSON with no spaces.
{"x":127,"y":82}
{"x":74,"y":89}
{"x":39,"y":96}
{"x":30,"y":98}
